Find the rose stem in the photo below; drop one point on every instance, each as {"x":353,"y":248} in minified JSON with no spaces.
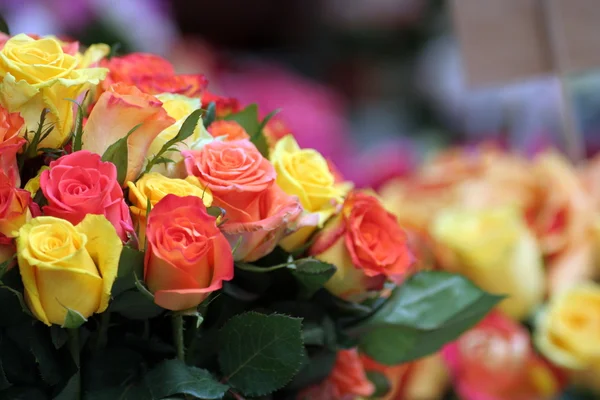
{"x":75,"y":349}
{"x":178,"y":335}
{"x":103,"y":330}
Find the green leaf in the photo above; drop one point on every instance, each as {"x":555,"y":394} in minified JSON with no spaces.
{"x":381,"y":383}
{"x":131,"y":260}
{"x":20,"y":298}
{"x":4,"y":383}
{"x":429,"y":310}
{"x":210,"y":114}
{"x":23,"y":393}
{"x":78,"y":128}
{"x":143,"y":290}
{"x":216,"y":211}
{"x":73,"y":319}
{"x":59,"y":336}
{"x":72,"y":390}
{"x":4,"y":266}
{"x":259,"y":353}
{"x":117,"y":154}
{"x":135,"y":305}
{"x":247,"y":118}
{"x":4,"y":26}
{"x":45,"y":353}
{"x":266,"y":120}
{"x":173,"y":377}
{"x":311,"y":275}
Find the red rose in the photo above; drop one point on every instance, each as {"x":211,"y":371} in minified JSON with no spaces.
{"x":81,"y":183}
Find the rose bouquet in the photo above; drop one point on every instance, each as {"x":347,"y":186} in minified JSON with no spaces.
{"x":526,"y":227}
{"x":157,"y":242}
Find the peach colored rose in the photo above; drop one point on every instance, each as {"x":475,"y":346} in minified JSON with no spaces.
{"x":152,"y":74}
{"x":242,"y":182}
{"x":366,"y":244}
{"x":11,"y":125}
{"x":15,"y":206}
{"x":231,"y":130}
{"x":118,"y":110}
{"x":495,"y":361}
{"x":79,"y":184}
{"x":187,"y":256}
{"x":346,"y":381}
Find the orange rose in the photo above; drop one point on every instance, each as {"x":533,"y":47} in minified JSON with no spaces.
{"x":187,"y":256}
{"x":230,"y":129}
{"x":224,"y":105}
{"x":11,"y":125}
{"x":242,"y":182}
{"x":152,"y":74}
{"x":495,"y":360}
{"x":14,"y":207}
{"x":117,"y":111}
{"x":366,"y":244}
{"x":347,"y":380}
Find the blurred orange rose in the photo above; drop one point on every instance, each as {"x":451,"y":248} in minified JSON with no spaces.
{"x":187,"y":256}
{"x":242,"y":182}
{"x":14,"y":207}
{"x":231,"y":130}
{"x":118,"y":110}
{"x":224,"y":105}
{"x":11,"y":125}
{"x":346,"y":381}
{"x":151,"y":74}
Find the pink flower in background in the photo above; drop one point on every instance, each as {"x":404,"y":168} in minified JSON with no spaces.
{"x":495,"y":361}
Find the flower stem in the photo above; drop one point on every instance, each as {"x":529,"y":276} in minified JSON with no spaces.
{"x":103,"y":330}
{"x":75,"y":349}
{"x":178,"y":335}
{"x":254,"y":268}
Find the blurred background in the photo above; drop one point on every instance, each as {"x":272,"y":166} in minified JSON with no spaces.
{"x":375,"y":85}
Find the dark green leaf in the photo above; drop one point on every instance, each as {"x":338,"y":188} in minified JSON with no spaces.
{"x":112,"y":367}
{"x":187,"y":128}
{"x":72,"y":390}
{"x":143,"y":290}
{"x":312,"y":274}
{"x":117,"y":154}
{"x":73,"y":319}
{"x":317,"y":368}
{"x":173,"y":377}
{"x":19,"y":297}
{"x":45,"y":354}
{"x":266,"y":120}
{"x":4,"y":266}
{"x":135,"y":305}
{"x":131,"y":260}
{"x":427,"y":311}
{"x":381,"y":383}
{"x":163,"y":160}
{"x":210,"y":114}
{"x":4,"y":383}
{"x":78,"y":128}
{"x":247,"y":118}
{"x":4,"y":26}
{"x":59,"y":336}
{"x":259,"y":353}
{"x":216,"y":211}
{"x":22,"y":393}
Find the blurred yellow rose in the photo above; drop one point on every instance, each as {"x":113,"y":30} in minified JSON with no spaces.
{"x":496,"y":250}
{"x":305,"y":173}
{"x":153,"y":187}
{"x":33,"y":185}
{"x":64,"y":266}
{"x":567,"y":330}
{"x":178,"y":107}
{"x":38,"y":74}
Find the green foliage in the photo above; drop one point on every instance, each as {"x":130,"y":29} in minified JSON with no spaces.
{"x":173,"y":377}
{"x":210,"y":114}
{"x":78,"y":127}
{"x":249,"y":120}
{"x":131,"y":261}
{"x":311,"y":275}
{"x":260,"y":353}
{"x":135,"y":305}
{"x":73,"y":319}
{"x":381,"y":383}
{"x":4,"y":26}
{"x":427,"y":311}
{"x":187,"y":129}
{"x":117,"y":153}
{"x":39,"y":135}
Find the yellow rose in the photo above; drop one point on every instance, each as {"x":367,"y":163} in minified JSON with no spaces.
{"x":64,"y":266}
{"x":178,"y":107}
{"x":37,"y":74}
{"x":567,"y":329}
{"x":496,"y":250}
{"x":154,"y":186}
{"x":305,"y":173}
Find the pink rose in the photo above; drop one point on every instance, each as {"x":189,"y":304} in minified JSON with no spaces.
{"x":81,"y":183}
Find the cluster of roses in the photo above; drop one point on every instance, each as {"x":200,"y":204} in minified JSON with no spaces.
{"x":99,"y":154}
{"x":525,"y":227}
